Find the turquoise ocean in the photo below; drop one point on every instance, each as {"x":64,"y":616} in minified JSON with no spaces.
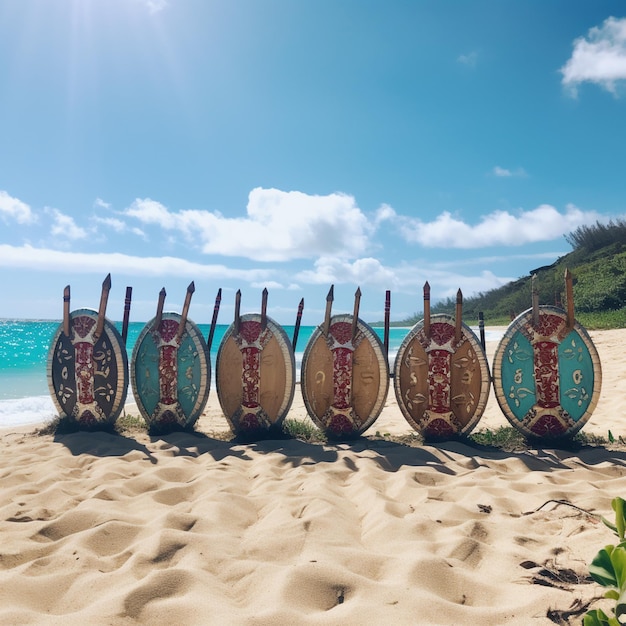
{"x":24,"y":347}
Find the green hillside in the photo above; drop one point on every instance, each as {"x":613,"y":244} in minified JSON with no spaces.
{"x":598,"y":266}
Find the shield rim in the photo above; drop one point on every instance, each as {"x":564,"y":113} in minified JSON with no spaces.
{"x":290,"y":367}
{"x":379,"y":349}
{"x":205,"y":368}
{"x":485,"y":386}
{"x":512,"y":329}
{"x":119,"y":349}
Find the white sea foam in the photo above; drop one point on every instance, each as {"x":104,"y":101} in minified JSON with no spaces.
{"x":26,"y":411}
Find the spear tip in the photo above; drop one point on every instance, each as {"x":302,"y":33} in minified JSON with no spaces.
{"x":106,"y":284}
{"x":331,"y":294}
{"x":426,"y":288}
{"x":459,"y":296}
{"x":358,"y":292}
{"x":264,"y":292}
{"x":162,"y":293}
{"x":192,"y":287}
{"x":66,"y":291}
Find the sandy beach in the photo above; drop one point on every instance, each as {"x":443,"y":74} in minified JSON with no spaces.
{"x":186,"y":528}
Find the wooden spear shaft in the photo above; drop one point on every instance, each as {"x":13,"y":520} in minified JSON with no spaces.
{"x":387,"y":315}
{"x":481,"y":328}
{"x":159,"y":313}
{"x":104,"y":297}
{"x":459,"y":316}
{"x":237,"y":321}
{"x":329,"y":306}
{"x":216,"y":310}
{"x":569,"y":296}
{"x":66,"y":311}
{"x":127,"y":299}
{"x":535,"y":301}
{"x":427,"y":309}
{"x":183,"y":318}
{"x":355,"y":315}
{"x":296,"y":328}
{"x":264,"y":310}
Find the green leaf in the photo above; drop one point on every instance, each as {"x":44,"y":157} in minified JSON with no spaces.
{"x":601,"y":568}
{"x":618,"y":505}
{"x":598,"y":617}
{"x":611,"y":438}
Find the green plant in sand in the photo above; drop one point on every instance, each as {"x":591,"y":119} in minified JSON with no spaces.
{"x":608,"y":568}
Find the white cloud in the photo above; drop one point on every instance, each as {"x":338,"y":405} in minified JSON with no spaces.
{"x":12,"y":208}
{"x":469,"y":59}
{"x":64,"y":226}
{"x":366,"y":271}
{"x":506,"y":173}
{"x":43,"y":259}
{"x":99,"y":203}
{"x":600,"y":58}
{"x":499,"y":228}
{"x":154,"y":6}
{"x":279,"y":226}
{"x":112,"y":222}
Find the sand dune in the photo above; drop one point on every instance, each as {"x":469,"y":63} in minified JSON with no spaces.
{"x":188,"y":529}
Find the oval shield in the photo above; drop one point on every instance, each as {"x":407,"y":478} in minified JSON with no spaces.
{"x":547,"y":379}
{"x":441,"y":384}
{"x":344,"y":379}
{"x":88,"y":376}
{"x":171,"y":379}
{"x":255,"y":375}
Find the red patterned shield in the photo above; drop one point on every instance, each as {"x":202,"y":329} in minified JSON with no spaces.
{"x":255,"y":375}
{"x":441,"y":383}
{"x":344,"y":378}
{"x":88,"y":375}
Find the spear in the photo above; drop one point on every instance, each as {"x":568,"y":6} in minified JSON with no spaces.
{"x":216,"y":310}
{"x":237,"y":308}
{"x":264,"y":310}
{"x":427,"y":309}
{"x":569,"y":296}
{"x":66,"y":311}
{"x":387,"y":312}
{"x":535,"y":302}
{"x":459,"y":316}
{"x":296,"y":328}
{"x":104,"y":296}
{"x":329,"y":305}
{"x":183,"y":318}
{"x":129,"y":295}
{"x":159,"y":313}
{"x":481,"y":328}
{"x":355,"y":315}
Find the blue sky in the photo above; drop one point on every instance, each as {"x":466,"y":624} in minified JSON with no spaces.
{"x":292,"y":144}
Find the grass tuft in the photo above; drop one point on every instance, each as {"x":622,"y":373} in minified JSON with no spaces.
{"x":304,"y":430}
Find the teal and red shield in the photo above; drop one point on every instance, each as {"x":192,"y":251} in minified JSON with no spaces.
{"x":87,"y":374}
{"x":547,"y":376}
{"x":170,"y":373}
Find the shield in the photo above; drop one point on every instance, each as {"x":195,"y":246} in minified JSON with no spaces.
{"x":547,"y":377}
{"x":441,"y":384}
{"x":255,"y":375}
{"x":88,"y":377}
{"x":344,"y":378}
{"x":171,"y":378}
